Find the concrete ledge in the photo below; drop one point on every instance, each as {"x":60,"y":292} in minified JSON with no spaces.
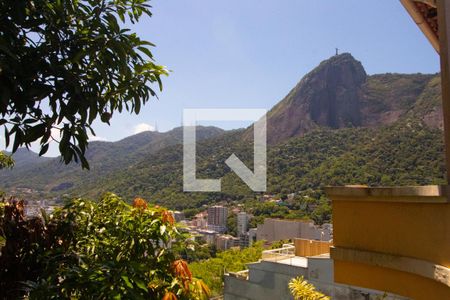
{"x":415,"y":266}
{"x":414,"y":194}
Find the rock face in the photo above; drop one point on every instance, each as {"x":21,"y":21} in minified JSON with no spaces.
{"x":338,"y":93}
{"x":328,"y":96}
{"x":333,"y":91}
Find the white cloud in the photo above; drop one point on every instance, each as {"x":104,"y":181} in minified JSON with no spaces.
{"x":93,"y":138}
{"x":143,"y":127}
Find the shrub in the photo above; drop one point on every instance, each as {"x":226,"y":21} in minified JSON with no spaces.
{"x":95,"y":250}
{"x":302,"y":290}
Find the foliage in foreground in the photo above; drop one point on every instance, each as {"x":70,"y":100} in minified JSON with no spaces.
{"x":94,"y":250}
{"x":302,"y":290}
{"x":233,"y":260}
{"x":5,"y":161}
{"x":67,"y":63}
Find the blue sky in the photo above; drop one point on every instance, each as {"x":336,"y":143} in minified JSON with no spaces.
{"x":249,"y":54}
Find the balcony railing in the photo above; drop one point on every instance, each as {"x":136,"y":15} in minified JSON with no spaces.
{"x":287,"y":251}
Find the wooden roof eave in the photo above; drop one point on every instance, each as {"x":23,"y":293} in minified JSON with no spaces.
{"x":420,"y":20}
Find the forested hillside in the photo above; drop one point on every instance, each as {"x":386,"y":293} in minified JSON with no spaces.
{"x":407,"y":153}
{"x":47,"y":175}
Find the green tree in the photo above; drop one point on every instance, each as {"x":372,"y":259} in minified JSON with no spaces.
{"x":66,"y":63}
{"x":5,"y":161}
{"x":233,"y":260}
{"x":302,"y":290}
{"x":94,"y":250}
{"x":232,"y":224}
{"x":322,"y":213}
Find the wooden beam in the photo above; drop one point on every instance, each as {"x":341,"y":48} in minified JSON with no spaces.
{"x":415,"y":14}
{"x":431,"y":3}
{"x":443,"y":9}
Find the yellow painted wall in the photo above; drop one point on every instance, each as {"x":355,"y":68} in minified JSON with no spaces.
{"x":305,"y":247}
{"x":417,"y":230}
{"x":388,"y":280}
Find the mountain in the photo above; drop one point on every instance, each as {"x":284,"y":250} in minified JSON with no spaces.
{"x":24,"y":157}
{"x":404,"y":153}
{"x":338,"y":125}
{"x":339,"y":94}
{"x":105,"y":158}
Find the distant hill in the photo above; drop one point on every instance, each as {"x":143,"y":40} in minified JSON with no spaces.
{"x":338,"y":125}
{"x":105,"y":158}
{"x":405,"y":153}
{"x":26,"y":158}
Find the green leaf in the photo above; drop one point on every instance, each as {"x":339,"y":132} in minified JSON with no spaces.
{"x":6,"y":137}
{"x":141,"y":285}
{"x":17,"y":140}
{"x":84,"y":163}
{"x":146,"y":51}
{"x":44,"y":149}
{"x":162,"y":229}
{"x":127,"y":281}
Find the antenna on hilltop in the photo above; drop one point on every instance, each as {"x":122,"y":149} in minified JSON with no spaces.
{"x":337,"y":51}
{"x":156,"y":126}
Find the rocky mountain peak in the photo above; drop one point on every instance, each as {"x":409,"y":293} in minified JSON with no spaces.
{"x":327,"y":96}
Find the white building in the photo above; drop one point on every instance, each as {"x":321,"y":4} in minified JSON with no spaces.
{"x":226,"y":241}
{"x":268,"y":279}
{"x":200,"y":220}
{"x":252,"y":236}
{"x":179,"y":216}
{"x":208,"y":236}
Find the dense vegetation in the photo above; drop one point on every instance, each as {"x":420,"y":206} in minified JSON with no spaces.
{"x":405,"y":153}
{"x":302,"y":290}
{"x":211,"y":271}
{"x":48,"y":177}
{"x":94,"y":250}
{"x":402,"y":154}
{"x":5,"y":161}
